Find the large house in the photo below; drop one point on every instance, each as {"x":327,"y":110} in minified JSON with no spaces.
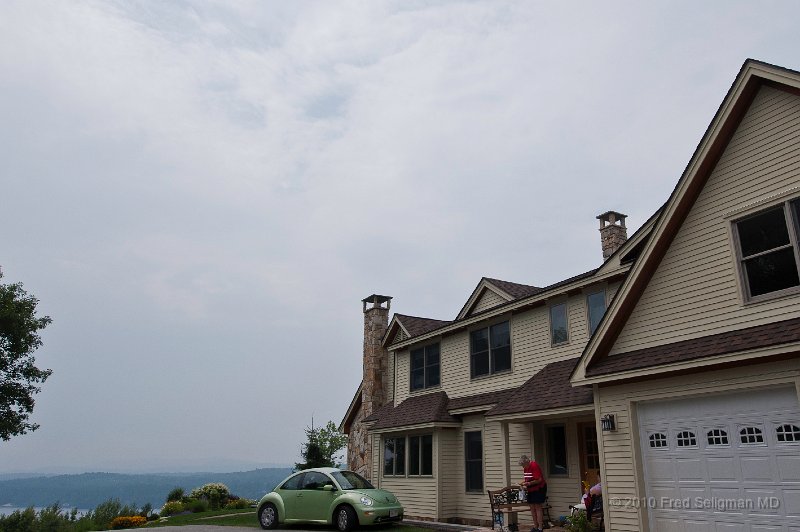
{"x":672,"y":368}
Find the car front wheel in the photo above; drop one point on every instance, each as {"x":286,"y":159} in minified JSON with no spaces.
{"x":345,"y":518}
{"x":268,"y":516}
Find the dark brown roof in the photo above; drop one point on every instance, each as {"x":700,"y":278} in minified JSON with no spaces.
{"x":428,"y":408}
{"x":759,"y":336}
{"x":481,"y":399}
{"x":549,"y":388}
{"x":417,"y":326}
{"x":378,"y":413}
{"x":515,"y":290}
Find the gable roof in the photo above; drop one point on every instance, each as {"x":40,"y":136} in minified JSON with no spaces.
{"x":412,"y":326}
{"x":752,"y":76}
{"x":504,"y":289}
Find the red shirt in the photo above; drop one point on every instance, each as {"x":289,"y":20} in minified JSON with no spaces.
{"x":533,"y":471}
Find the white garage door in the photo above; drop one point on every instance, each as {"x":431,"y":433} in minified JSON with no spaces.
{"x":723,"y":462}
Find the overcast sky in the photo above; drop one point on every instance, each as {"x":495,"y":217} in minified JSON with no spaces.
{"x":201,"y":193}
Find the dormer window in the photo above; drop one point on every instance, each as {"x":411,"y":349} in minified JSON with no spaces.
{"x":425,"y":369}
{"x":490,"y":350}
{"x":767,"y":251}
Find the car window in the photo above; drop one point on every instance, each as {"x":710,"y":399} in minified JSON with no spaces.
{"x":293,"y":483}
{"x":352,"y":481}
{"x":314,"y":480}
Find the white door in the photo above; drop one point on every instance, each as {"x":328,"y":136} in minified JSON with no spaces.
{"x":723,"y":463}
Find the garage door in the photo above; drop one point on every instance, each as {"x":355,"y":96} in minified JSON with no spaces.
{"x":723,"y":462}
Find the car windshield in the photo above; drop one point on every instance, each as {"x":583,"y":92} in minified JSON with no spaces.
{"x":352,"y":481}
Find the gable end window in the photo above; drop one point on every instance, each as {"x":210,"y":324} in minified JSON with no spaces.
{"x":767,"y":250}
{"x":490,"y":350}
{"x":558,"y":324}
{"x":425,"y":368}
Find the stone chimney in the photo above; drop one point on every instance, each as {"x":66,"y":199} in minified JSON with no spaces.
{"x":613,"y":232}
{"x":374,"y":384}
{"x":376,"y":358}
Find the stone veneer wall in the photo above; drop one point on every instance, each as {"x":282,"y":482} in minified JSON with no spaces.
{"x":374,"y":386}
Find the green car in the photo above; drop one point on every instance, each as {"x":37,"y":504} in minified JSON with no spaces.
{"x":327,"y":495}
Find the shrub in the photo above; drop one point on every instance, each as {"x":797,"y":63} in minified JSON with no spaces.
{"x":153,"y":516}
{"x":107,"y":511}
{"x":217,"y":494}
{"x":197,"y":505}
{"x":175,"y":495}
{"x":172,"y":507}
{"x":578,"y":523}
{"x":127,"y":521}
{"x":238,"y":504}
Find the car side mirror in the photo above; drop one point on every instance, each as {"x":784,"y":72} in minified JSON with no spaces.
{"x":329,"y":487}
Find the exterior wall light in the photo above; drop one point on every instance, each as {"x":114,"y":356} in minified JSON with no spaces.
{"x":607,"y":423}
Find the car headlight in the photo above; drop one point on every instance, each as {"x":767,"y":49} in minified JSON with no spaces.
{"x":366,"y":501}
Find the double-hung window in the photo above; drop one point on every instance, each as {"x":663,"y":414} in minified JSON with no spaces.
{"x":767,"y":250}
{"x":490,"y":350}
{"x":425,"y":368}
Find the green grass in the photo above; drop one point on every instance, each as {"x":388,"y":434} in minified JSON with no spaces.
{"x":247,"y":517}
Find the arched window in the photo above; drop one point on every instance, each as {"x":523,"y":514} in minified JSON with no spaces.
{"x":788,"y":433}
{"x":658,"y":440}
{"x":751,"y":435}
{"x":687,"y":439}
{"x":717,"y":437}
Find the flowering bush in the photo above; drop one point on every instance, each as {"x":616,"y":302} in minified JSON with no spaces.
{"x":172,"y":507}
{"x":212,"y":490}
{"x":238,"y":504}
{"x":215,"y":493}
{"x":127,"y":521}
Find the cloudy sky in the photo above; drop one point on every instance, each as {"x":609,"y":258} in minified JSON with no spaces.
{"x":201,"y":193}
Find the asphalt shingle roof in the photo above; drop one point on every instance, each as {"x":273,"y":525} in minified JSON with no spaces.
{"x":759,"y":336}
{"x":548,"y":389}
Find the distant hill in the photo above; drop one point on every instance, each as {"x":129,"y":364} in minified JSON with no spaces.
{"x":87,"y":490}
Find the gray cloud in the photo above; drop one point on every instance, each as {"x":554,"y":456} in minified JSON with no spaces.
{"x":201,"y":193}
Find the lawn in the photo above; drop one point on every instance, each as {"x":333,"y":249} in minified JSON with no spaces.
{"x":248,"y":518}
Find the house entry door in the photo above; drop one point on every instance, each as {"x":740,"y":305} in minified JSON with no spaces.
{"x":590,"y":456}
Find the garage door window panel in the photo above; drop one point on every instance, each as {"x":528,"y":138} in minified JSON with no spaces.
{"x":686,"y":438}
{"x":788,"y":433}
{"x":658,"y":440}
{"x":751,"y":435}
{"x":717,"y":438}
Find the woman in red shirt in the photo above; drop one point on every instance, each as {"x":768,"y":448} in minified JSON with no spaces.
{"x":536,"y":487}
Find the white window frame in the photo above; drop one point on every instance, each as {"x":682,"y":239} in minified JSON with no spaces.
{"x":785,"y":199}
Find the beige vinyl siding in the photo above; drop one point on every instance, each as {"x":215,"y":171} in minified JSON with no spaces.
{"x":488,"y":299}
{"x":377,"y":460}
{"x":402,"y":383}
{"x":451,"y":463}
{"x":390,"y":382}
{"x":695,"y":291}
{"x":619,"y":449}
{"x":530,"y":351}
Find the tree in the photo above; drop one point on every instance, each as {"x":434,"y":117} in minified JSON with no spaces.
{"x":322,"y":445}
{"x":19,"y":377}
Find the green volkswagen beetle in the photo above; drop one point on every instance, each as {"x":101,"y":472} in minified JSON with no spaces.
{"x":328,"y":496}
